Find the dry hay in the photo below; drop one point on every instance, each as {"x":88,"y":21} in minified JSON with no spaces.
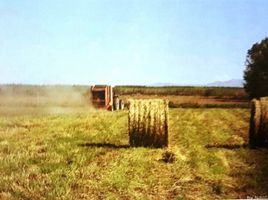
{"x":258,"y":132}
{"x":148,"y":123}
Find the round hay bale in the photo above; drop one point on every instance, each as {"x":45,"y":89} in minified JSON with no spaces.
{"x":254,"y":122}
{"x":264,"y":121}
{"x":258,"y":131}
{"x":148,"y":123}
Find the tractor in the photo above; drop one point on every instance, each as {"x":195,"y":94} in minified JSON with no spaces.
{"x":103,"y":97}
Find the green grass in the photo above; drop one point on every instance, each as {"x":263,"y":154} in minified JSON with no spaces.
{"x":86,"y":156}
{"x":231,"y":92}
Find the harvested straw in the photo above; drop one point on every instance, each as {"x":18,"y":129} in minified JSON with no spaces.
{"x":258,"y":132}
{"x":148,"y":123}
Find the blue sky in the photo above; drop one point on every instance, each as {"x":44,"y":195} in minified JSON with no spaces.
{"x":128,"y":42}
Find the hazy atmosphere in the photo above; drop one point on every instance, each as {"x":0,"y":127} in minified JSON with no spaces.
{"x":127,"y":42}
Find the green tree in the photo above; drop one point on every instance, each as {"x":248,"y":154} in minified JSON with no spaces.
{"x":256,"y":73}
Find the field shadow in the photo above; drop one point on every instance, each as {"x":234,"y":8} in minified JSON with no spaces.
{"x":104,"y":145}
{"x":248,"y":170}
{"x":252,"y":178}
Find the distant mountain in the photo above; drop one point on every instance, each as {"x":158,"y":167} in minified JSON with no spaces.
{"x":229,"y":83}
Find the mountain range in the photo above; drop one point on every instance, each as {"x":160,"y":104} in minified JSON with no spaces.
{"x":229,"y":83}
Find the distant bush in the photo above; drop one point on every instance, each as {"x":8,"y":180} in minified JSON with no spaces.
{"x":233,"y":92}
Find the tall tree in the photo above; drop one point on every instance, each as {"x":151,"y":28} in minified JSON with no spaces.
{"x":256,"y":73}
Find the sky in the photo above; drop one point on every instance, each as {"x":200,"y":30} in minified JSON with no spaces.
{"x":125,"y":42}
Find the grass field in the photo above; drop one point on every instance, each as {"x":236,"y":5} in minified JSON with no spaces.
{"x":233,"y":92}
{"x":176,"y":101}
{"x":87,"y":156}
{"x":54,"y":145}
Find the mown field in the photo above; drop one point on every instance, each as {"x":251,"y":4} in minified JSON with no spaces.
{"x":176,"y":101}
{"x":77,"y":152}
{"x":87,"y":156}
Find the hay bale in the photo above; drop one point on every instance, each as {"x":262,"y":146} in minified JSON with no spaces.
{"x":254,"y":122}
{"x":258,"y":131}
{"x":148,"y":123}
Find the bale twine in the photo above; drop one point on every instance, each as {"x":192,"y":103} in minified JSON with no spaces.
{"x":148,"y":123}
{"x":258,"y":131}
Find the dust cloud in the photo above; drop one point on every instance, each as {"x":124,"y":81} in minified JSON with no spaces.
{"x":54,"y":99}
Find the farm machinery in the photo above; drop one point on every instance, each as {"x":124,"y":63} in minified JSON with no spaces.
{"x":104,"y":97}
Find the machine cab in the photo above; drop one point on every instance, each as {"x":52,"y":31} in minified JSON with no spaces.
{"x":102,"y":96}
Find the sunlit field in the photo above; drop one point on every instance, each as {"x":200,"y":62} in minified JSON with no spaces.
{"x":85,"y":154}
{"x":176,"y":101}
